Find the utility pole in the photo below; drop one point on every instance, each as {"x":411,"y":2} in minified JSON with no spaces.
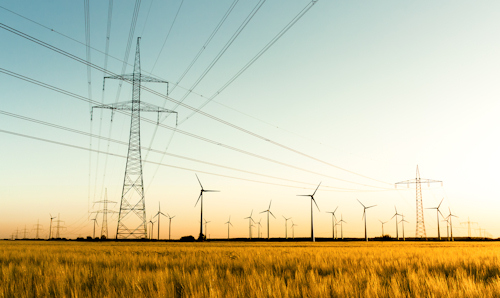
{"x":24,"y":231}
{"x":468,"y":222}
{"x":420,"y":225}
{"x":58,"y":226}
{"x":132,"y":214}
{"x":37,"y":229}
{"x":95,"y":222}
{"x":104,"y":211}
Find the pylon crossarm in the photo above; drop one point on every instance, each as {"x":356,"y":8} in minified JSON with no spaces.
{"x":130,"y":77}
{"x":415,"y":181}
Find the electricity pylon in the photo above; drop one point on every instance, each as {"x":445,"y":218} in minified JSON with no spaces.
{"x":38,"y":225}
{"x":468,"y":222}
{"x":132,"y":214}
{"x":104,"y":211}
{"x":420,"y":225}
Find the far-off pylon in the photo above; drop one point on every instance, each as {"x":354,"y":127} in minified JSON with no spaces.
{"x":420,"y":225}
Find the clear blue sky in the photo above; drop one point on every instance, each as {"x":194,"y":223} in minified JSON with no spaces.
{"x":372,"y":87}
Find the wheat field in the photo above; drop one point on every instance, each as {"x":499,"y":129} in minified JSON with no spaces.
{"x":232,"y":269}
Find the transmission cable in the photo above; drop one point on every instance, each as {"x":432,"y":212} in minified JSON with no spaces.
{"x":68,"y":93}
{"x":257,"y":56}
{"x":166,"y":37}
{"x":166,"y":165}
{"x":72,"y":130}
{"x":26,"y":36}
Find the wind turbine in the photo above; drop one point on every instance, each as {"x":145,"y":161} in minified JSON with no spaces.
{"x":447,"y":228}
{"x":397,"y":223}
{"x":95,"y":222}
{"x":250,"y":219}
{"x":169,"y":224}
{"x":382,"y":222}
{"x":333,"y":221}
{"x":268,"y":212}
{"x":228,"y":223}
{"x":50,"y":229}
{"x":152,"y":225}
{"x":293,"y":230}
{"x":341,"y":227}
{"x":201,"y":237}
{"x":286,"y":226}
{"x":364,"y":217}
{"x":206,"y":224}
{"x":258,"y":228}
{"x":437,"y":213}
{"x":312,"y":200}
{"x":451,"y":224}
{"x":403,"y":220}
{"x":159,"y":214}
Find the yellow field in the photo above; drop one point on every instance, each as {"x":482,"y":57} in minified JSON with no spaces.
{"x":227,"y":269}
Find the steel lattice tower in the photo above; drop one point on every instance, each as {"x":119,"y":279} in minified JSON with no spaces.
{"x":132,"y":214}
{"x":105,"y":211}
{"x":420,"y":225}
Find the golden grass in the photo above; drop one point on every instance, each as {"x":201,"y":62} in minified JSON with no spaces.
{"x":374,"y":269}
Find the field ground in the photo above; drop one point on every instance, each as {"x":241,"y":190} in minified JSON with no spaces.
{"x":233,"y":269}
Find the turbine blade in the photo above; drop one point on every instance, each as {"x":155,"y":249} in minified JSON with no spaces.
{"x":364,"y":211}
{"x":272,"y":214}
{"x":316,"y":189}
{"x":269,"y":208}
{"x":361,"y":203}
{"x":211,"y":190}
{"x":198,"y":199}
{"x":263,"y":211}
{"x":440,"y":203}
{"x":371,"y":206}
{"x":303,"y":195}
{"x":440,"y":213}
{"x":315,"y":203}
{"x":335,"y":210}
{"x":199,"y":181}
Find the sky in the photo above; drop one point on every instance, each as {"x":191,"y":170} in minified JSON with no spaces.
{"x":354,"y":95}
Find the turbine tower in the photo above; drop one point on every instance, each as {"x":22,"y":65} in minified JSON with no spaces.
{"x":334,"y":219}
{"x":364,"y":217}
{"x":437,"y":213}
{"x":268,"y":212}
{"x":169,"y":224}
{"x":382,"y":222}
{"x":312,"y":221}
{"x":228,"y":223}
{"x":50,"y":228}
{"x":132,"y":214}
{"x":159,"y":214}
{"x":341,"y":226}
{"x":202,"y":237}
{"x":420,"y":225}
{"x":396,"y":214}
{"x":286,"y":226}
{"x":250,"y":219}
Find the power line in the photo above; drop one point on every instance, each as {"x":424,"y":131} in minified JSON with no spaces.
{"x":65,"y":92}
{"x":65,"y":128}
{"x":168,"y":34}
{"x":257,"y":56}
{"x":181,"y":77}
{"x":122,"y":156}
{"x":26,"y":36}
